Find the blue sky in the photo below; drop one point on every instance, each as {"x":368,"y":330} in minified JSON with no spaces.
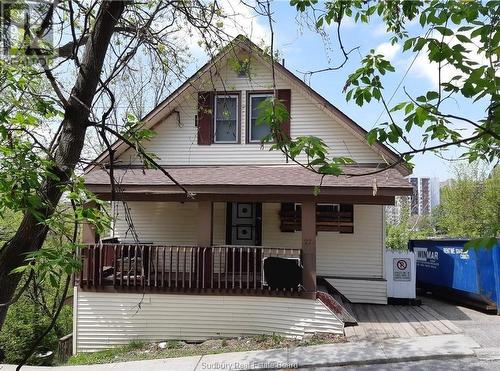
{"x":305,"y":50}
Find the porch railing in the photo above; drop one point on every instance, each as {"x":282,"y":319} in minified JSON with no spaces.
{"x":182,"y":268}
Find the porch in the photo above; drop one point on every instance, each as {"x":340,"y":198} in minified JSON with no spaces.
{"x":244,"y":227}
{"x":191,"y":269}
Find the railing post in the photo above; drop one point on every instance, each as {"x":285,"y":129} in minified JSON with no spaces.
{"x":309,"y":247}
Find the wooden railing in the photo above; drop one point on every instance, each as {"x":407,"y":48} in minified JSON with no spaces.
{"x":183,"y":268}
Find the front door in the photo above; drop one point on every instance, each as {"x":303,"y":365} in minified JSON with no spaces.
{"x":244,"y":223}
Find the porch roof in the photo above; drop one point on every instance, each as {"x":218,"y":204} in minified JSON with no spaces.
{"x":251,"y":179}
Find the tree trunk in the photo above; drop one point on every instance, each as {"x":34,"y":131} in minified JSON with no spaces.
{"x":31,"y":234}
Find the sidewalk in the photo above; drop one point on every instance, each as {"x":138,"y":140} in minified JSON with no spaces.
{"x":358,"y":353}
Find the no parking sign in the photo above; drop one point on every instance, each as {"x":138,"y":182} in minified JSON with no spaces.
{"x":401,"y":269}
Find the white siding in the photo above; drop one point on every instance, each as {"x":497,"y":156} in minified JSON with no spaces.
{"x":176,"y":139}
{"x":359,"y":254}
{"x":172,"y":223}
{"x":104,"y":320}
{"x":354,"y":255}
{"x":361,"y":290}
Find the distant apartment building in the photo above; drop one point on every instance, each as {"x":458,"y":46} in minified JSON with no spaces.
{"x":414,"y":197}
{"x":395,"y":213}
{"x":425,"y":195}
{"x":424,"y":198}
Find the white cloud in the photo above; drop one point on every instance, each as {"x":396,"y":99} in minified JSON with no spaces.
{"x":388,"y":50}
{"x":422,"y":67}
{"x":241,"y":19}
{"x":380,"y":30}
{"x":237,"y":18}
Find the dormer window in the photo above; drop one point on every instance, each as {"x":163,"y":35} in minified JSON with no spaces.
{"x":257,"y":131}
{"x":226,"y":119}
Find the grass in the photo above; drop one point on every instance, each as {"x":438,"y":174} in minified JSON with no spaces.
{"x":137,"y":350}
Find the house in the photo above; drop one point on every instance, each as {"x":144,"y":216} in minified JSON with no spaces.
{"x":242,"y":253}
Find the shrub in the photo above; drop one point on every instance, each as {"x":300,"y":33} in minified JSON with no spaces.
{"x":24,"y":323}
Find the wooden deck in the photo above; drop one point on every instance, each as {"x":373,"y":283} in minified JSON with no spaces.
{"x":191,"y":269}
{"x":377,"y":322}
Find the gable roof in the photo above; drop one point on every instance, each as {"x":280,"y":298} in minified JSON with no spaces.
{"x":166,"y":107}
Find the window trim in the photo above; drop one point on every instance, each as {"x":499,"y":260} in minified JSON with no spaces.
{"x":236,"y":95}
{"x":249,"y":116}
{"x":337,"y":205}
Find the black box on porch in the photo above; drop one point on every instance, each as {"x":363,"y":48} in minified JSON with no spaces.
{"x":282,"y":273}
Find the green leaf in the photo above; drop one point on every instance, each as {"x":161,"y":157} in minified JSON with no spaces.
{"x":420,"y":116}
{"x":422,"y":19}
{"x":330,"y":169}
{"x":444,"y":31}
{"x":463,"y":38}
{"x":468,"y":90}
{"x":456,"y":18}
{"x":398,"y":107}
{"x":372,"y":136}
{"x":408,"y":44}
{"x":432,"y":95}
{"x":409,"y":107}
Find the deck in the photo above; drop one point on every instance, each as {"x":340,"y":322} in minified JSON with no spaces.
{"x":378,"y":322}
{"x":191,"y":269}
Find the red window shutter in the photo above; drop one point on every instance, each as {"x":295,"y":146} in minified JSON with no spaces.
{"x":289,"y":218}
{"x":285,"y":95}
{"x":348,"y":209}
{"x":205,"y":117}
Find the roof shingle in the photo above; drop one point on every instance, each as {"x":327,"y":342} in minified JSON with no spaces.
{"x":250,"y":175}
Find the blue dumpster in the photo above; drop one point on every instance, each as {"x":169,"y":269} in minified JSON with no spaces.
{"x":446,"y":269}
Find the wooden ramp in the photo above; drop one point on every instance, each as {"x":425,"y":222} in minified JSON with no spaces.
{"x":377,"y":322}
{"x":336,"y":302}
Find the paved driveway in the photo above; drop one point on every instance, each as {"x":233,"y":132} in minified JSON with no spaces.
{"x":484,"y":328}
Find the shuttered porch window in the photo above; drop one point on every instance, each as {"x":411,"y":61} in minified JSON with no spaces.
{"x":329,"y":217}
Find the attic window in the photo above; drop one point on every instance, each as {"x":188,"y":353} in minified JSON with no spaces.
{"x":257,"y":131}
{"x":226,"y":119}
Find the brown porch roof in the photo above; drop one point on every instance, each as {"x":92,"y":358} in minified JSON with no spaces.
{"x":252,"y":179}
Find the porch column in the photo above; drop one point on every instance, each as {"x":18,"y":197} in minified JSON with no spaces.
{"x":205,"y":223}
{"x":205,"y":237}
{"x":309,"y":247}
{"x":89,"y":235}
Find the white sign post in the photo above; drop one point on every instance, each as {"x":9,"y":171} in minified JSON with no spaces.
{"x":400,"y":270}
